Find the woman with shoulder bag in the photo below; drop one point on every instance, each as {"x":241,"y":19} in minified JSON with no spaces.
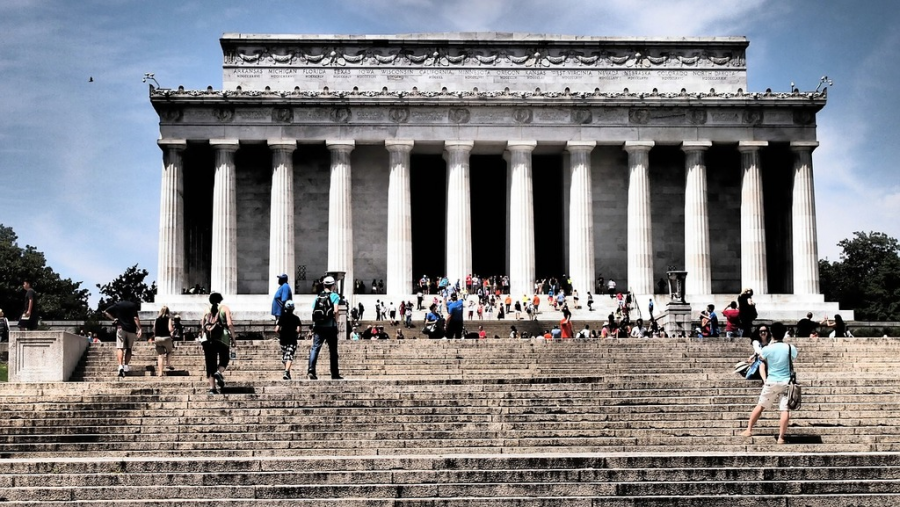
{"x":217,"y":341}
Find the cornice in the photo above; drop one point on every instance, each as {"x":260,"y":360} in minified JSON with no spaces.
{"x":181,"y":95}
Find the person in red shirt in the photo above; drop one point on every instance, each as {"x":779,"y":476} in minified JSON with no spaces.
{"x":732,"y":320}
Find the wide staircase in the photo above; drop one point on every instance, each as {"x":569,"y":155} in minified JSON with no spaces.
{"x":621,"y":422}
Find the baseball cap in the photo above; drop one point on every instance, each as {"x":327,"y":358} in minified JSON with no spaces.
{"x":328,"y":280}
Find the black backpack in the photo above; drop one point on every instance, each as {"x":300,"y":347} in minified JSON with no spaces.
{"x":323,"y":310}
{"x":212,"y":327}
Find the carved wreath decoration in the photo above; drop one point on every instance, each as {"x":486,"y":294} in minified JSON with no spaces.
{"x":442,"y":57}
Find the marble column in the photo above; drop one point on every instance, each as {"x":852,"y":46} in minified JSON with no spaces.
{"x":281,"y":224}
{"x":459,"y":211}
{"x":521,"y":218}
{"x":581,"y":216}
{"x":697,"y":260}
{"x":754,"y":271}
{"x":640,"y":224}
{"x":170,"y":263}
{"x":399,"y":234}
{"x":224,"y":227}
{"x":340,"y":211}
{"x":803,"y":220}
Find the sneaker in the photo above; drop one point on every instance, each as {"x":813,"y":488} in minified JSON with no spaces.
{"x":127,"y":368}
{"x":312,"y":376}
{"x":212,"y":391}
{"x":286,"y":376}
{"x":337,"y":377}
{"x":220,"y":380}
{"x":121,"y":372}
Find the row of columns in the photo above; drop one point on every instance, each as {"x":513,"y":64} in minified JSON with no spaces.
{"x":521,"y":216}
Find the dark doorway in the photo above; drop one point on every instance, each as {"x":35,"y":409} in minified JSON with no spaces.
{"x":487,"y":180}
{"x":428,"y":184}
{"x":547,"y":177}
{"x":198,"y":211}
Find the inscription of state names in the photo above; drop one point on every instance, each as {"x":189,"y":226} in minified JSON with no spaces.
{"x":485,"y":79}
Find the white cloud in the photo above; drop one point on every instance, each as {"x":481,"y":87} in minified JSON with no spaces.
{"x":579,"y":17}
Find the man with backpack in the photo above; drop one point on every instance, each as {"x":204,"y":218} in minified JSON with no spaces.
{"x":324,"y":316}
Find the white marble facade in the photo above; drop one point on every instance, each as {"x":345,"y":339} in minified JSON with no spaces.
{"x":666,"y":163}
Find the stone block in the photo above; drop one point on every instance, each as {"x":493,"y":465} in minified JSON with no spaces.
{"x":44,"y":356}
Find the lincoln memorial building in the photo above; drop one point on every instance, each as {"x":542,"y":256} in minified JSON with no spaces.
{"x":392,"y":156}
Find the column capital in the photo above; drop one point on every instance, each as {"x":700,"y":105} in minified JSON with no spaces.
{"x":580,"y":145}
{"x":459,"y":145}
{"x":520,"y":145}
{"x":804,"y":145}
{"x":176,"y":144}
{"x":340,"y":144}
{"x":282,"y":144}
{"x":696,"y":145}
{"x":225,"y":144}
{"x":751,"y":145}
{"x":631,"y":146}
{"x":399,"y":144}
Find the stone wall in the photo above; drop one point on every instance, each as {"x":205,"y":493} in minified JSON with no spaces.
{"x":253,"y":174}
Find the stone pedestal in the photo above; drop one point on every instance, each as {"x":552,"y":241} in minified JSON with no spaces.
{"x":678,"y":319}
{"x":581,"y":216}
{"x":340,"y":209}
{"x":459,"y":211}
{"x":44,"y":356}
{"x":640,"y":223}
{"x":754,"y":273}
{"x":521,"y":218}
{"x":281,"y":222}
{"x":399,"y":234}
{"x":696,"y":218}
{"x":171,"y":219}
{"x":224,"y":227}
{"x":803,"y":221}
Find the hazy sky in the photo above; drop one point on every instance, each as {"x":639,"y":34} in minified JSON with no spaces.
{"x":80,"y":169}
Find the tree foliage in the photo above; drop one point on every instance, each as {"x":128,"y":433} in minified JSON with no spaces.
{"x":58,"y":298}
{"x":129,"y":286}
{"x":867,"y":277}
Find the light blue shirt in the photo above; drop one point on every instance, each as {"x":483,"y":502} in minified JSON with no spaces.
{"x":777,"y":364}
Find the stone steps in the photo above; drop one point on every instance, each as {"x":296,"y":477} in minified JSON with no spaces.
{"x":459,"y":422}
{"x":458,"y":480}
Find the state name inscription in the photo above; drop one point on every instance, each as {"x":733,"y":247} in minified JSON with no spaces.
{"x":462,"y":79}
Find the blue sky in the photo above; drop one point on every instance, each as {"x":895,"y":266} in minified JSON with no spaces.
{"x":80,"y":168}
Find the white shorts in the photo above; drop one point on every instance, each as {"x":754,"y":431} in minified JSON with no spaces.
{"x":776,"y":391}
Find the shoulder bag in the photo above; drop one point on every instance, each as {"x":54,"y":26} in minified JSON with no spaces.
{"x":794,"y":391}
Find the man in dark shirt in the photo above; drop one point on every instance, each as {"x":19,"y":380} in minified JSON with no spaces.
{"x":805,"y":327}
{"x":288,"y":328}
{"x":29,"y":319}
{"x":128,"y":330}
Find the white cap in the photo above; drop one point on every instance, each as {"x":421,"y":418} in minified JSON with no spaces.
{"x":328,"y":280}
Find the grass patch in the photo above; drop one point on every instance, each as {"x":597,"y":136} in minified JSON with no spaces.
{"x":4,"y":372}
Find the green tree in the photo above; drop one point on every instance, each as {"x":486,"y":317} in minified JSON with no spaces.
{"x":867,"y":277}
{"x":58,"y":298}
{"x":129,"y":286}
